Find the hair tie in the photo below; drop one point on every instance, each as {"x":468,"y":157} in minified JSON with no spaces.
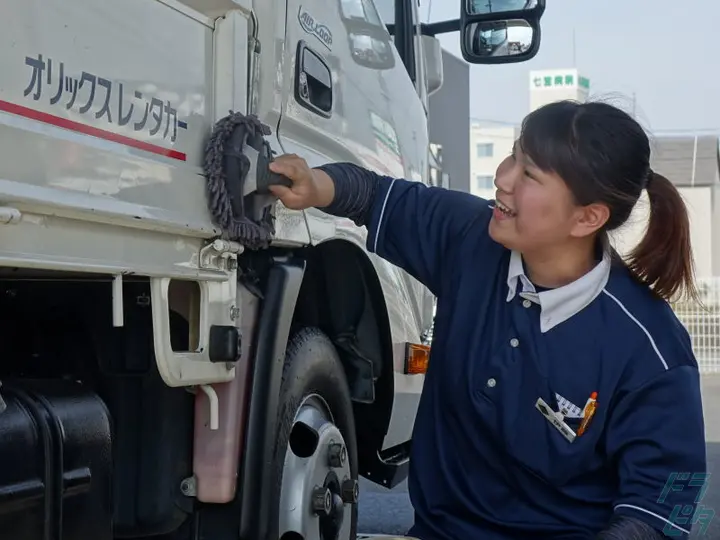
{"x":649,"y":177}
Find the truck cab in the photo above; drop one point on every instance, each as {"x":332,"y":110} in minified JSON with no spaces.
{"x":164,"y":376}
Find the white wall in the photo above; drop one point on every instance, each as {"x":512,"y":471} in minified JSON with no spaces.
{"x":715,"y":228}
{"x":482,"y":169}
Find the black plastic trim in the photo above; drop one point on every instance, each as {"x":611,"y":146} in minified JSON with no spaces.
{"x":389,"y":467}
{"x":441,"y":27}
{"x":258,"y":510}
{"x":405,"y":36}
{"x":224,"y":344}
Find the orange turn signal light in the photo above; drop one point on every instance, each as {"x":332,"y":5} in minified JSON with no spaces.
{"x":417,"y":358}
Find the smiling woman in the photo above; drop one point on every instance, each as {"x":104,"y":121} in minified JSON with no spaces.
{"x":574,"y":182}
{"x":570,"y":415}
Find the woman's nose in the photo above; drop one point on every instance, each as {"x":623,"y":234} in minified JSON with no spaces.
{"x":504,"y":176}
{"x":504,"y":180}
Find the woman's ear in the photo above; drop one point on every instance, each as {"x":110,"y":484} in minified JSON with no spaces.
{"x":590,"y":219}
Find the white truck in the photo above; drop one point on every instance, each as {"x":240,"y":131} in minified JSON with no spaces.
{"x":184,"y":358}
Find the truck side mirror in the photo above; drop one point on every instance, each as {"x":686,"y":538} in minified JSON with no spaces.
{"x":433,"y":63}
{"x":500,"y":31}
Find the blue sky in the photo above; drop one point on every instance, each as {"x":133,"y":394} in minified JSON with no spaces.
{"x":664,"y":51}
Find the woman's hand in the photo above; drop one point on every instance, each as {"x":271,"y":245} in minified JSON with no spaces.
{"x":310,"y":187}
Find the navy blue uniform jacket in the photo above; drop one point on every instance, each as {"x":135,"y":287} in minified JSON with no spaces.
{"x":486,"y":463}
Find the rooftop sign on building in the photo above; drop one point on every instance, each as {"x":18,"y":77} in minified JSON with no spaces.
{"x":549,"y":85}
{"x":554,"y":79}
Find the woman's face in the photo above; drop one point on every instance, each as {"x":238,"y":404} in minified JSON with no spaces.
{"x":534,"y":209}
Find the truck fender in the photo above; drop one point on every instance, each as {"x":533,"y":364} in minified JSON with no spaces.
{"x":342,"y":275}
{"x":280,"y":294}
{"x":308,"y":288}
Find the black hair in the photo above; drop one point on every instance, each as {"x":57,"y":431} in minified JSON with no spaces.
{"x":603,"y":155}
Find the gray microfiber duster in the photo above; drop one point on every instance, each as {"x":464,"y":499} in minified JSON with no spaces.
{"x":234,"y":156}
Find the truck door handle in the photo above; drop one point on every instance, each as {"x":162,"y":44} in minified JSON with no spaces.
{"x":313,"y":81}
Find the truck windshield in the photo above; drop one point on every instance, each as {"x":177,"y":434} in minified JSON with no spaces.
{"x":386,"y":9}
{"x":364,"y":10}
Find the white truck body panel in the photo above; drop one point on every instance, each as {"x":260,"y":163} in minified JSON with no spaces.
{"x":104,"y":112}
{"x":370,"y":126}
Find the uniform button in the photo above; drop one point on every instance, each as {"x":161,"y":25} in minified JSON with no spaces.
{"x":514,"y":342}
{"x":491,"y":383}
{"x":527,"y":303}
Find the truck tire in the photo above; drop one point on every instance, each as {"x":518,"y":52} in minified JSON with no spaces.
{"x":316,"y":448}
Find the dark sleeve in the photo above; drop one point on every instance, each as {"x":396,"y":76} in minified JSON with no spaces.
{"x":411,"y":225}
{"x":355,"y":190}
{"x":656,"y":439}
{"x":627,"y":528}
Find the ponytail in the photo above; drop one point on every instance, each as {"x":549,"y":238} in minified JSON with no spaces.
{"x":663,"y":260}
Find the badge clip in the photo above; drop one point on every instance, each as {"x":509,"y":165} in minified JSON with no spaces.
{"x":556,"y":419}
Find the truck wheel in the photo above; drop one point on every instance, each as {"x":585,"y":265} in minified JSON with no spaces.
{"x":316,"y":452}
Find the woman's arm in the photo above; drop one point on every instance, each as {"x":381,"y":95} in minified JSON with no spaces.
{"x":627,"y":528}
{"x":415,"y":227}
{"x":656,"y":439}
{"x":354,"y":191}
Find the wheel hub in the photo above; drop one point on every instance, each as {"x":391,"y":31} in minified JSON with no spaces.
{"x":317,"y":488}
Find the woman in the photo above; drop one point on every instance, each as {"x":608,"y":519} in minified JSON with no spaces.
{"x":563,"y":396}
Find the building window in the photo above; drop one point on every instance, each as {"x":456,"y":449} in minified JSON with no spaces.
{"x":484,"y":150}
{"x":484,"y":181}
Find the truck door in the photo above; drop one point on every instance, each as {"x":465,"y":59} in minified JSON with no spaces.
{"x":348,"y":97}
{"x":344,"y":83}
{"x":404,"y":87}
{"x":333,"y":83}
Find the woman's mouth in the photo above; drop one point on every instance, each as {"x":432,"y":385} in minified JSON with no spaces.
{"x":502,"y":211}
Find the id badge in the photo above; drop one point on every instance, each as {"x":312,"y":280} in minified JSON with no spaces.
{"x":556,"y":419}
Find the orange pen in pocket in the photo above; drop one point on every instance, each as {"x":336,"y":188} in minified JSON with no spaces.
{"x":588,"y":413}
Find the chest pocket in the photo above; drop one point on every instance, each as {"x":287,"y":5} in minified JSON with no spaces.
{"x":538,"y":446}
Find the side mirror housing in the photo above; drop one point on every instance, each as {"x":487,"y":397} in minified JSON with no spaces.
{"x":500,"y":31}
{"x":432,"y":53}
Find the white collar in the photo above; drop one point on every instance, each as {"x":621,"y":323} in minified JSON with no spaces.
{"x":558,"y":305}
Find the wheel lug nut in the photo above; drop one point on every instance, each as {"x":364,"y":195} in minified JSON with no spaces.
{"x":350,"y":491}
{"x":337,"y":455}
{"x":322,"y":501}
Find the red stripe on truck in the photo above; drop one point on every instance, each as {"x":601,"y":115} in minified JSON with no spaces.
{"x":64,"y":123}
